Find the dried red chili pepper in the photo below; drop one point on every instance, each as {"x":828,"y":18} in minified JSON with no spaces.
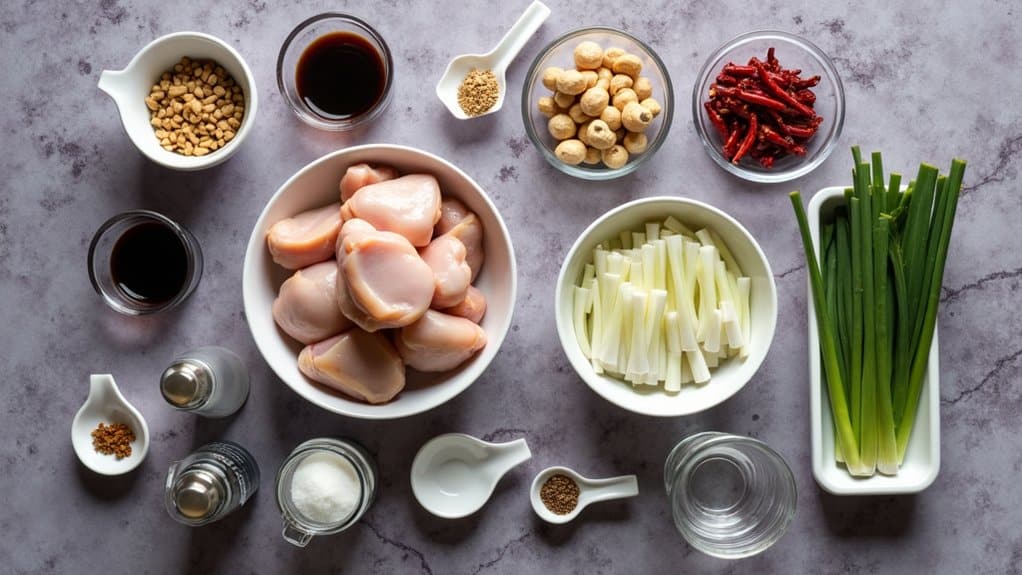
{"x":763,"y":111}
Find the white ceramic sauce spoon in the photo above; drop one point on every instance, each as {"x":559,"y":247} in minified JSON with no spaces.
{"x":590,"y":491}
{"x":496,"y":60}
{"x":453,"y":475}
{"x":106,"y":404}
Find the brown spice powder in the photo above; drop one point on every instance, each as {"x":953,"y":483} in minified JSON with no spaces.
{"x":114,"y":439}
{"x":559,"y":494}
{"x":478,"y":92}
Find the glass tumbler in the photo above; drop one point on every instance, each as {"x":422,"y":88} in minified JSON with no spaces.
{"x":731,"y":496}
{"x":299,"y":529}
{"x":301,"y":38}
{"x":101,"y":252}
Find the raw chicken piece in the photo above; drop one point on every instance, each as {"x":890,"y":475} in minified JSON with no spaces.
{"x":452,"y":211}
{"x":306,"y":307}
{"x":382,"y":282}
{"x":472,"y":308}
{"x":305,"y":239}
{"x":445,"y":255}
{"x":363,"y":365}
{"x":353,"y":226}
{"x":470,"y":231}
{"x":439,"y":342}
{"x":361,"y":175}
{"x":409,"y":205}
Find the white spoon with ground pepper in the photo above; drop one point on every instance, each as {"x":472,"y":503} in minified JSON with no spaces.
{"x":473,"y":84}
{"x":559,"y":494}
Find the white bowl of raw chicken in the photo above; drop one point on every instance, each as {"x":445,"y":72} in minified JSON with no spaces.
{"x":316,"y":185}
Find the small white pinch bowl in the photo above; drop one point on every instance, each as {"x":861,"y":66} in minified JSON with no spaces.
{"x":105,"y":404}
{"x":589,"y":491}
{"x":733,"y":374}
{"x":130,"y":86}
{"x":453,"y":475}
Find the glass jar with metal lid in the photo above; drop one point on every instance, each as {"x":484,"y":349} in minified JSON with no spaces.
{"x":323,"y":487}
{"x":210,"y":381}
{"x":210,"y":483}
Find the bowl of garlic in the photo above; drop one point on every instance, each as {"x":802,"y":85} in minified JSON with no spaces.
{"x":597,"y":103}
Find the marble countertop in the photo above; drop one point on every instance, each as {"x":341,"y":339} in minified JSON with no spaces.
{"x":928,"y":84}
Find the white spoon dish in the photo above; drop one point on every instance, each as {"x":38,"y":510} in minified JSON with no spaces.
{"x":496,"y":60}
{"x":590,"y":491}
{"x":105,"y":404}
{"x":453,"y":475}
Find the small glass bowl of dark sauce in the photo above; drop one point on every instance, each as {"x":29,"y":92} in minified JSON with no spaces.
{"x":335,"y":72}
{"x":143,"y":262}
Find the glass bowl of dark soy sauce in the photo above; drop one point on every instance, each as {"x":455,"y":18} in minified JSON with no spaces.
{"x":142,"y":262}
{"x":335,"y":71}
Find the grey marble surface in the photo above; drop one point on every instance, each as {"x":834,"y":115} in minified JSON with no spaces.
{"x":922,"y":83}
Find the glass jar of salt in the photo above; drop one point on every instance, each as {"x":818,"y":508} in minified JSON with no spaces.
{"x":324,"y":487}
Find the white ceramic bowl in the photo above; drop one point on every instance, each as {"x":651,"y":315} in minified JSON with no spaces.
{"x":130,"y":86}
{"x":732,"y":374}
{"x":922,"y":458}
{"x":315,"y":185}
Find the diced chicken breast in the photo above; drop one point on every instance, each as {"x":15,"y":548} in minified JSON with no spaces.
{"x":383,"y":282}
{"x":409,"y":205}
{"x":470,"y":232}
{"x":472,"y":308}
{"x":360,"y":364}
{"x":306,"y":306}
{"x":439,"y":342}
{"x":308,"y":238}
{"x":360,"y":175}
{"x":445,"y":255}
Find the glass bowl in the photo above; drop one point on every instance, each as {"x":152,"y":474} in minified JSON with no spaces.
{"x":301,"y":38}
{"x":560,"y":53}
{"x":792,"y":52}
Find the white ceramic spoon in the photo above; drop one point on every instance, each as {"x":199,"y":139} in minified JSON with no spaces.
{"x":496,"y":60}
{"x":453,"y":475}
{"x":106,"y":404}
{"x":590,"y":491}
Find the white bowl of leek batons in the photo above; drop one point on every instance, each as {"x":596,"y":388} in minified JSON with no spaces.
{"x":316,"y":185}
{"x":667,"y":369}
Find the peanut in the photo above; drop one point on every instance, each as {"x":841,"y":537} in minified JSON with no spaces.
{"x":195,"y":108}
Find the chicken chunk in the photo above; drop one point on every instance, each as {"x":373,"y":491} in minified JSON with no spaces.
{"x":360,"y":175}
{"x":409,"y":205}
{"x":470,"y":232}
{"x":360,"y":364}
{"x":472,"y":308}
{"x":308,"y":238}
{"x":445,"y":255}
{"x":383,"y":282}
{"x":439,"y":342}
{"x":306,"y":306}
{"x":452,"y":211}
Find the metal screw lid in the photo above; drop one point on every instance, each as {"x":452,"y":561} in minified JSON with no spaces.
{"x":197,"y":494}
{"x":185,"y":384}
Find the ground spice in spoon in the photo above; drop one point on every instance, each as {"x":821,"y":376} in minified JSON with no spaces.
{"x":559,"y":494}
{"x":478,"y":92}
{"x":114,"y":439}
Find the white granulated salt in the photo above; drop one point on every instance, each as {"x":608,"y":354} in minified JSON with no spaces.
{"x":325,"y":488}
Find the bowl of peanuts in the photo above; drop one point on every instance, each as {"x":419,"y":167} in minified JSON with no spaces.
{"x":597,"y":103}
{"x":187,"y":100}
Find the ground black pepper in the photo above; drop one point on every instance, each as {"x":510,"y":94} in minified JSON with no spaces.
{"x":559,"y":494}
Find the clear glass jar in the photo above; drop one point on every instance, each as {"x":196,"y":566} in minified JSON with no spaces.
{"x":210,"y":381}
{"x":210,"y":483}
{"x":731,"y":496}
{"x":300,"y":529}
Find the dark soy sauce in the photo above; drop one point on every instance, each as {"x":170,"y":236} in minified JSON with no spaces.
{"x":340,"y":76}
{"x":149,"y":263}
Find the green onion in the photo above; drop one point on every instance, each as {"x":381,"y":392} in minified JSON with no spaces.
{"x":875,"y":292}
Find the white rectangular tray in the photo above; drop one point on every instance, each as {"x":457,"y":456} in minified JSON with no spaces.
{"x":922,"y":460}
